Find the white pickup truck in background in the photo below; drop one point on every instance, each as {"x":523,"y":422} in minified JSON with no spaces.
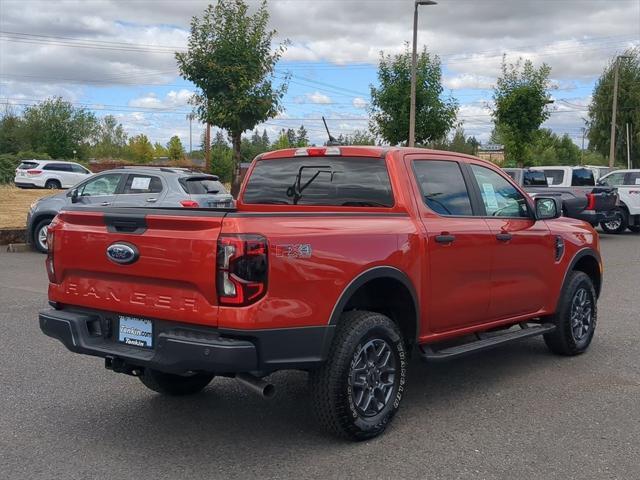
{"x":628,"y":212}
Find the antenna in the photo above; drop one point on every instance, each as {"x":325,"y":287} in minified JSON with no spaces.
{"x":332,"y":141}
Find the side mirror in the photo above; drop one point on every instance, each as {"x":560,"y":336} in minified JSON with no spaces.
{"x":547,"y":208}
{"x":74,"y":195}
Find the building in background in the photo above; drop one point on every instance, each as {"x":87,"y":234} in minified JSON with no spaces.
{"x":492,"y":152}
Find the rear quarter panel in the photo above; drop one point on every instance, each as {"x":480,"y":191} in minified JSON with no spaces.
{"x":302,"y":291}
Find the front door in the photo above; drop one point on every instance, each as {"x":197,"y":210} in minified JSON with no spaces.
{"x":456,"y":288}
{"x":99,"y":190}
{"x":522,"y":251}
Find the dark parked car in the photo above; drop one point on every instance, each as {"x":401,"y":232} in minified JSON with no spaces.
{"x":130,"y":187}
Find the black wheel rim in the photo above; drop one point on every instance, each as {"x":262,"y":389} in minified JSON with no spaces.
{"x":581,"y":314}
{"x":372,"y":377}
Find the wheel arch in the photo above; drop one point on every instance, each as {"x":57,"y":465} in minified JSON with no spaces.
{"x":386,"y":290}
{"x":36,"y":220}
{"x":587,"y":261}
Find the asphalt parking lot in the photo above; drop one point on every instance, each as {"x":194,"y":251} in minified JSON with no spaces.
{"x":515,"y":412}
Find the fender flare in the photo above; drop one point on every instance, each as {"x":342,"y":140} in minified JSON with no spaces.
{"x":585,"y":252}
{"x":373,"y":274}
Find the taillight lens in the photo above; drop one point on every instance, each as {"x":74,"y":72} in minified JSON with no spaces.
{"x":34,"y":172}
{"x":51,"y":271}
{"x":591,"y":201}
{"x":189,"y":203}
{"x":242,"y":269}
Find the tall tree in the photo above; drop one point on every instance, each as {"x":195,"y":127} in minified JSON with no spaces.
{"x":390,"y":102}
{"x":360,"y":137}
{"x":628,"y":109}
{"x":231,"y":60}
{"x":175,"y":150}
{"x":140,"y":149}
{"x":265,"y":139}
{"x":57,"y":127}
{"x":302,"y":137}
{"x":521,"y":98}
{"x":110,"y":138}
{"x":12,"y":133}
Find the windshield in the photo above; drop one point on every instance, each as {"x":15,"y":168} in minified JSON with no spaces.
{"x":330,"y":181}
{"x":27,"y":165}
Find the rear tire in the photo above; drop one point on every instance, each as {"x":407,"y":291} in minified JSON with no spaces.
{"x":358,"y":390}
{"x":175,"y":385}
{"x":53,"y":185}
{"x":39,"y":236}
{"x":576,"y":317}
{"x":618,"y":224}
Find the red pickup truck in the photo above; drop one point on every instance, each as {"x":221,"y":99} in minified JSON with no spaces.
{"x":340,"y":261}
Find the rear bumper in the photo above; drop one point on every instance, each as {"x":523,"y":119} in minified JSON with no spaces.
{"x":23,"y":184}
{"x":595,"y":217}
{"x":180,"y":348}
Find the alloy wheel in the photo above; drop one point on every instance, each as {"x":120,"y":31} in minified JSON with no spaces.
{"x":581,"y":314}
{"x":372,"y":377}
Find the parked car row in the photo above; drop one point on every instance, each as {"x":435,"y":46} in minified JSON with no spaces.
{"x":49,"y":174}
{"x":130,"y":187}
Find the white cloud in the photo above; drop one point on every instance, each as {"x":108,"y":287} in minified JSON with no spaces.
{"x":468,"y":80}
{"x":360,"y":102}
{"x":318,"y":98}
{"x":173,"y":99}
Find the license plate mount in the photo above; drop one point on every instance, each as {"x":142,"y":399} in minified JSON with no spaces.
{"x":134,"y":331}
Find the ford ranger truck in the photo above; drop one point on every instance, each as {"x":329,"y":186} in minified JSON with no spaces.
{"x":339,"y":261}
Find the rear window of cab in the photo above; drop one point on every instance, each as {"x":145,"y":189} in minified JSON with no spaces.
{"x":323,"y":181}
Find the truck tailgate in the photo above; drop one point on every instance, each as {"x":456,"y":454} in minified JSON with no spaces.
{"x":173,"y":277}
{"x":605,"y":198}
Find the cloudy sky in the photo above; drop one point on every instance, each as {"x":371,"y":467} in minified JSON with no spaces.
{"x":116,"y":57}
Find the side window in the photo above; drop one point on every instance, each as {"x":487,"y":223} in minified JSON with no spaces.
{"x":100,"y":186}
{"x":614,"y":180}
{"x":58,"y":167}
{"x":443,"y":188}
{"x":632,"y":178}
{"x":533,"y":178}
{"x":554,"y":177}
{"x":142,"y":184}
{"x":78,"y":169}
{"x":500,"y":198}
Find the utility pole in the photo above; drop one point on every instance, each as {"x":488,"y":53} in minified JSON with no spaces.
{"x":190,"y":117}
{"x":614,"y":111}
{"x":584,"y":131}
{"x":207,"y":148}
{"x":414,"y":61}
{"x":628,"y":148}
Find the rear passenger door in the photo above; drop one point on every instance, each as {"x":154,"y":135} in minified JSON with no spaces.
{"x":521,"y":250}
{"x":457,"y":284}
{"x":141,"y":190}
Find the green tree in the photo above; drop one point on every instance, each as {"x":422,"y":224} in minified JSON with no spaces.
{"x":57,"y":127}
{"x":282,"y":141}
{"x":265,"y":140}
{"x":360,"y":137}
{"x":12,"y":133}
{"x":390,"y":102}
{"x":175,"y":150}
{"x":110,"y":138}
{"x":160,"y":150}
{"x":302,"y":137}
{"x":628,"y":109}
{"x":221,"y":157}
{"x":140,"y":149}
{"x":231,"y":61}
{"x":521,"y":101}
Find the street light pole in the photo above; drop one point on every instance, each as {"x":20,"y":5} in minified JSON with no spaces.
{"x":414,"y":61}
{"x":614,"y":111}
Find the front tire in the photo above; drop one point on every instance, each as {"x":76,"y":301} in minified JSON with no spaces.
{"x":40,"y":235}
{"x":576,"y":317}
{"x":174,"y":385}
{"x":618,"y":223}
{"x":358,"y":390}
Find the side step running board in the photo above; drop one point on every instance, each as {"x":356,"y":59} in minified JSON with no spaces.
{"x":484,"y":343}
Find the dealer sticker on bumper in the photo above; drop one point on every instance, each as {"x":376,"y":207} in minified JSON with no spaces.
{"x":136,"y":331}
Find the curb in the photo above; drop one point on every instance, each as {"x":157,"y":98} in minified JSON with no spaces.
{"x":18,"y":247}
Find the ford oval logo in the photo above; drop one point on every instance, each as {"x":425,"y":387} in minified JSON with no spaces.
{"x":122,"y":253}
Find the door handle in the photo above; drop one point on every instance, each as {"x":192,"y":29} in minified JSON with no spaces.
{"x":504,"y":237}
{"x":151,"y":199}
{"x":105,"y":204}
{"x":445,"y":238}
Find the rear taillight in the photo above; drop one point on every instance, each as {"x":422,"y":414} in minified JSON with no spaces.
{"x":34,"y":172}
{"x":591,"y":201}
{"x":51,"y":271}
{"x":317,"y":151}
{"x":189,"y":203}
{"x":242,"y":269}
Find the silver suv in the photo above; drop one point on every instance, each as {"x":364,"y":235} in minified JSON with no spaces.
{"x":130,"y":187}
